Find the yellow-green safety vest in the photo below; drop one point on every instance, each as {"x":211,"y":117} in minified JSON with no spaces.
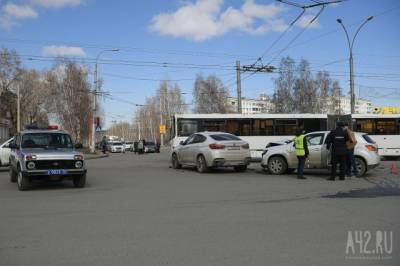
{"x":299,"y":144}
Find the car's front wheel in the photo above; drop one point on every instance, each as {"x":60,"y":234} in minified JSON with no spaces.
{"x":13,"y":175}
{"x":80,"y":181}
{"x":201,"y":164}
{"x":175,"y":162}
{"x":277,"y":165}
{"x":361,"y":167}
{"x":23,"y":182}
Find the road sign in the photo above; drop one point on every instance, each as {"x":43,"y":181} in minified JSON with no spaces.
{"x":163,"y":129}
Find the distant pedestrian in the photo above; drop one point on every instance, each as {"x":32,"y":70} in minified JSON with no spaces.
{"x":336,"y":143}
{"x":351,"y":167}
{"x":300,"y":144}
{"x":104,"y":144}
{"x":141,"y":146}
{"x":135,"y":146}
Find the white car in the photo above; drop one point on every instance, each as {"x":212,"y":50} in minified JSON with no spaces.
{"x":116,"y":147}
{"x":207,"y":150}
{"x":128,"y":146}
{"x":281,"y":159}
{"x":5,"y":153}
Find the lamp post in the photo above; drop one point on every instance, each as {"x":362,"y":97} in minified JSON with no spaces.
{"x":95,"y":84}
{"x":350,"y":44}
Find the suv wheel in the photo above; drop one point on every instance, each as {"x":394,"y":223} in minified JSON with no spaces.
{"x":240,"y":168}
{"x":175,"y":162}
{"x":277,"y":165}
{"x":361,"y":167}
{"x":23,"y":182}
{"x":80,"y":181}
{"x":13,"y":175}
{"x":201,"y":164}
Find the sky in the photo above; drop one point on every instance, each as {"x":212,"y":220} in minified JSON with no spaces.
{"x":178,"y":39}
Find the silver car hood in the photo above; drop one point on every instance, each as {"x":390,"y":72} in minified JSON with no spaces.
{"x":52,"y":154}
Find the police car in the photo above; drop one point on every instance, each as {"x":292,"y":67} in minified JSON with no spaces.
{"x":45,"y":154}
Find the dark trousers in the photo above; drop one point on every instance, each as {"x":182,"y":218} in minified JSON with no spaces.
{"x":341,"y":159}
{"x":350,"y":163}
{"x":300,"y":165}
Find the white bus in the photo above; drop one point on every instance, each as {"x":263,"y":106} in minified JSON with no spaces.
{"x":260,"y":129}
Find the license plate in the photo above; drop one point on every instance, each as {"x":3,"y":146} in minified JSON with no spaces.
{"x":234,"y":148}
{"x":56,"y":172}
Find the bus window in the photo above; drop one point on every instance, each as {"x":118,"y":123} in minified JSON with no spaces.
{"x":386,"y":127}
{"x":285,"y":127}
{"x":214,"y":125}
{"x":366,"y":126}
{"x":263,"y":127}
{"x":187,"y":127}
{"x":232,"y":126}
{"x":313,"y":124}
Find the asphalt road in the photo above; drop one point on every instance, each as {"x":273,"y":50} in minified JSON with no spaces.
{"x":136,"y":210}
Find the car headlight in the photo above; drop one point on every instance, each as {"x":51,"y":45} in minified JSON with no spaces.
{"x":31,"y":165}
{"x":78,"y":157}
{"x":78,"y":164}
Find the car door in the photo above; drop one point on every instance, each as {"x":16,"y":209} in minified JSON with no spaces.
{"x":315,"y":147}
{"x":195,"y":147}
{"x":184,"y":150}
{"x":5,"y":153}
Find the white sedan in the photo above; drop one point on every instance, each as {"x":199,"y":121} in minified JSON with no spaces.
{"x":207,"y":150}
{"x":5,"y":153}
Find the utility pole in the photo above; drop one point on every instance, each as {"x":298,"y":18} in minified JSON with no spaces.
{"x":95,"y":92}
{"x":238,"y":87}
{"x":351,"y":44}
{"x":161,"y":123}
{"x":18,"y":110}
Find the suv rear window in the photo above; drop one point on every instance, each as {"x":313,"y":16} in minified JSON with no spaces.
{"x":224,"y":137}
{"x":368,"y":139}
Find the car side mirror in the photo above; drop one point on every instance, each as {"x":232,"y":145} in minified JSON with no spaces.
{"x":78,"y":146}
{"x":13,"y":146}
{"x":182,"y":143}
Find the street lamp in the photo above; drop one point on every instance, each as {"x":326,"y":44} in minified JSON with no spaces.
{"x":350,"y":44}
{"x":93,"y":137}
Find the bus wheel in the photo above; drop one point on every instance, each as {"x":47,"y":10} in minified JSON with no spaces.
{"x":277,"y":165}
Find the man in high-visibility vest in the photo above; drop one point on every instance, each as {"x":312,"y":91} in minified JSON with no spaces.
{"x":300,"y":144}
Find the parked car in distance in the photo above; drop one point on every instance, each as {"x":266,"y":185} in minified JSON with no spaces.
{"x":116,"y":146}
{"x":281,"y":159}
{"x":150,"y":147}
{"x":5,"y":153}
{"x":128,"y":146}
{"x":206,"y":150}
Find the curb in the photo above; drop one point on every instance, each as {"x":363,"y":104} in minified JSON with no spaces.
{"x":93,"y":157}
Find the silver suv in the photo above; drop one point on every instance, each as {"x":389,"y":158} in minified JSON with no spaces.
{"x":282,"y":159}
{"x":45,"y":155}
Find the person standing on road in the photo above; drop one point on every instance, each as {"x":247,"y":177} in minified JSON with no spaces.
{"x":336,"y":143}
{"x":141,"y":146}
{"x":350,"y":160}
{"x":104,"y":144}
{"x":300,"y":144}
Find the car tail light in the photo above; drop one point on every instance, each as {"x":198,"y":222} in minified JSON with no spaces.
{"x":245,"y":146}
{"x":371,"y":147}
{"x":216,"y":146}
{"x":54,"y":127}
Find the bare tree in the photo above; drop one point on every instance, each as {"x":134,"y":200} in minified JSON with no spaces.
{"x":10,"y":69}
{"x":305,"y":96}
{"x":210,"y":95}
{"x":323,"y":85}
{"x":69,"y":98}
{"x":33,"y":95}
{"x":283,"y":98}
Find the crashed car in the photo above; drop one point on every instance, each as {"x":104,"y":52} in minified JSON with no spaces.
{"x":280,"y":159}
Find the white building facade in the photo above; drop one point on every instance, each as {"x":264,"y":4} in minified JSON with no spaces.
{"x":251,"y":106}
